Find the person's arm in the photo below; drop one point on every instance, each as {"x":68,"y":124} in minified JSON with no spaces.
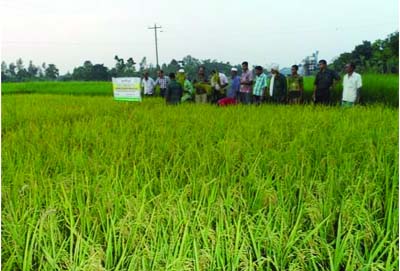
{"x":168,"y":92}
{"x":251,"y":79}
{"x":315,"y":86}
{"x":301,"y":85}
{"x":224,"y":81}
{"x":336,"y":79}
{"x":359,"y":86}
{"x":284,"y":86}
{"x":248,"y":81}
{"x":142,"y":86}
{"x":265,"y":84}
{"x":180,"y":91}
{"x":236,"y":86}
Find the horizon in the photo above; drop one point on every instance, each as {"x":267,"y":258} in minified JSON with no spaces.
{"x":67,"y":34}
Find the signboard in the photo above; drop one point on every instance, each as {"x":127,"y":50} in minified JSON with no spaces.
{"x":127,"y":89}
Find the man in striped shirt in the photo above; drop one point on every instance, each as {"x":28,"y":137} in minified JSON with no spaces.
{"x":246,"y":82}
{"x":259,"y":86}
{"x":162,"y":81}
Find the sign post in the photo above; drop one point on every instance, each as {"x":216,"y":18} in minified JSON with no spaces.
{"x":127,"y":89}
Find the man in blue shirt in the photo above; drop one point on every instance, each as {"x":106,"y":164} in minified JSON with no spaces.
{"x":233,"y":91}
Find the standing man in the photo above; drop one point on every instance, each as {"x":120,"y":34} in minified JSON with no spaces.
{"x":277,"y":85}
{"x":174,"y":91}
{"x":233,"y":90}
{"x":246,"y":82}
{"x":324,"y":81}
{"x":162,"y":81}
{"x":219,"y":82}
{"x":352,"y":84}
{"x":186,"y":86}
{"x":260,"y":86}
{"x":295,"y":86}
{"x":147,"y":85}
{"x":201,"y":86}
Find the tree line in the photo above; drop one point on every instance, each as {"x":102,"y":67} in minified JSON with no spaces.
{"x":381,"y":56}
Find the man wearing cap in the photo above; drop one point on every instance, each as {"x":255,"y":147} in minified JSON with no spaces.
{"x":277,"y":85}
{"x":147,"y":84}
{"x":324,"y":82}
{"x":186,"y":86}
{"x":233,"y":90}
{"x":246,"y":82}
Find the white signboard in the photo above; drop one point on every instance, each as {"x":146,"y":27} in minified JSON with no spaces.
{"x":127,"y":89}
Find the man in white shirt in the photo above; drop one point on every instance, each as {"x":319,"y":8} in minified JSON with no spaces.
{"x":148,"y":85}
{"x":352,"y":84}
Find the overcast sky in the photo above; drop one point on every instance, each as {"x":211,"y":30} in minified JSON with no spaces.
{"x":260,"y":31}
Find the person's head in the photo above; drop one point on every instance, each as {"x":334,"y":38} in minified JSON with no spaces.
{"x":172,"y":76}
{"x":160,"y":73}
{"x":202,"y":71}
{"x":322,"y":64}
{"x":234,"y":72}
{"x":213,"y":72}
{"x":274,"y":69}
{"x":245,"y":66}
{"x":258,"y":70}
{"x":350,"y":67}
{"x":146,"y":74}
{"x":181,"y":71}
{"x":294,"y":69}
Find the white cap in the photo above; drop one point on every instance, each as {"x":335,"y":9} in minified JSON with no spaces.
{"x":234,"y":69}
{"x":181,"y":70}
{"x":275,"y":67}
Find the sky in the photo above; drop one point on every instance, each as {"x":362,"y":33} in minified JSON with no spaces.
{"x":261,"y":32}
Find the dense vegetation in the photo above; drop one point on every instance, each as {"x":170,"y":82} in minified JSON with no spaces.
{"x":93,"y":184}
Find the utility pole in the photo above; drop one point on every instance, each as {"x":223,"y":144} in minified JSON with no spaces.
{"x":155,"y":27}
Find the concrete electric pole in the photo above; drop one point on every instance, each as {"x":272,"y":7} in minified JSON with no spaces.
{"x":155,"y":27}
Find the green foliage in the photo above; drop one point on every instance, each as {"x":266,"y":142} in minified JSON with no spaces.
{"x":381,"y":56}
{"x":68,"y":88}
{"x":93,"y":184}
{"x":18,"y":73}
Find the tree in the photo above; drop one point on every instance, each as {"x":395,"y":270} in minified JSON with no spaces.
{"x":22,"y":73}
{"x":11,"y":70}
{"x":100,"y":73}
{"x":4,"y":72}
{"x":32,"y":70}
{"x":130,"y":67}
{"x":51,"y":72}
{"x":119,"y":66}
{"x":143,"y":64}
{"x":381,"y":56}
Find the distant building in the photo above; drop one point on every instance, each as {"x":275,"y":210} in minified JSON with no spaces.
{"x":309,"y":64}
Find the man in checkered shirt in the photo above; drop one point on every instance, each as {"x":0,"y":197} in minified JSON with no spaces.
{"x":162,"y":81}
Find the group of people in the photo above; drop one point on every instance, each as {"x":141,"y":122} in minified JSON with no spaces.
{"x":252,"y":88}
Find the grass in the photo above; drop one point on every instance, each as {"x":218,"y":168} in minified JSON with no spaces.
{"x":54,"y":87}
{"x":93,"y":184}
{"x":377,"y":89}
